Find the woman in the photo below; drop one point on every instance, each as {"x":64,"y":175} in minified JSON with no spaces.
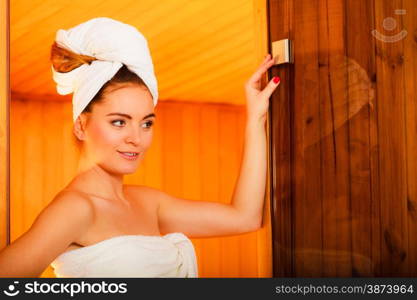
{"x":99,"y":227}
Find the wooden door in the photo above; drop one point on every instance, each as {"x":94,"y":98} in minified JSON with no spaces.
{"x":344,"y":139}
{"x":4,"y":120}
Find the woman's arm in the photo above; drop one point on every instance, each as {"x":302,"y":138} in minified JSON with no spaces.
{"x":249,"y":193}
{"x":244,"y":214}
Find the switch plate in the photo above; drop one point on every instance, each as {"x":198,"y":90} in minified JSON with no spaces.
{"x":282,"y":51}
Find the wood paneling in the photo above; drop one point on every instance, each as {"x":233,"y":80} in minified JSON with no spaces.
{"x":202,"y":52}
{"x":410,"y":109}
{"x":392,"y":145}
{"x":360,"y":48}
{"x":352,"y":123}
{"x":205,"y":62}
{"x":4,"y":120}
{"x":195,"y":154}
{"x":280,"y":145}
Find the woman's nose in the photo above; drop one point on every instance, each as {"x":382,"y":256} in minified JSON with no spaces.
{"x":134,"y":136}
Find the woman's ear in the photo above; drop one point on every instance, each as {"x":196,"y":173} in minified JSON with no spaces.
{"x":79,"y":127}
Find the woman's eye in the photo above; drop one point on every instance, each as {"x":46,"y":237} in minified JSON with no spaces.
{"x":121,"y":121}
{"x":149,"y":123}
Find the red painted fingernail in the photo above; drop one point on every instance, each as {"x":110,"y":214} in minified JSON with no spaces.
{"x":276,"y":79}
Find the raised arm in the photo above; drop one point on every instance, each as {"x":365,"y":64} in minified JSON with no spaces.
{"x":249,"y":193}
{"x":244,"y":214}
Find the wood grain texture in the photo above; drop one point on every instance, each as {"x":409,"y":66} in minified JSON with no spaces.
{"x":353,"y":126}
{"x":195,"y":154}
{"x":410,"y":72}
{"x":280,"y":152}
{"x":4,"y":120}
{"x":202,"y":52}
{"x":392,"y":145}
{"x":361,"y":66}
{"x":204,"y":62}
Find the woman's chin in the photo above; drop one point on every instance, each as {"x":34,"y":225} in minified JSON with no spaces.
{"x":127,"y":172}
{"x":128,"y":169}
{"x":122,"y":170}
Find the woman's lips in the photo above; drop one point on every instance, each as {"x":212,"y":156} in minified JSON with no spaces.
{"x":131,"y":157}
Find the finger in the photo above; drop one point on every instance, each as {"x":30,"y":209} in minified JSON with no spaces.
{"x":271,"y":86}
{"x":266,"y":58}
{"x":265,"y":62}
{"x":261,"y":70}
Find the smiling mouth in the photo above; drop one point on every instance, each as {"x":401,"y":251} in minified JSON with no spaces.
{"x":129,"y":154}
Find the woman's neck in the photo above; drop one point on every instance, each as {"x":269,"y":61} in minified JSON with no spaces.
{"x":94,"y":180}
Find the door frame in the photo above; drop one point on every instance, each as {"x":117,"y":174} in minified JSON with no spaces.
{"x":4,"y":124}
{"x":281,"y":142}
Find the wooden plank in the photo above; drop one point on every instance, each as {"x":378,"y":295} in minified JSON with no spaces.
{"x":209,"y":128}
{"x":221,"y":62}
{"x":229,"y":164}
{"x":254,"y":247}
{"x":410,"y":77}
{"x":361,"y":97}
{"x":391,"y":138}
{"x":4,"y":124}
{"x":233,"y":28}
{"x":280,"y":14}
{"x":172,"y":140}
{"x":334,"y":139}
{"x":37,"y":37}
{"x":33,"y":163}
{"x":17,"y":117}
{"x":376,"y":236}
{"x":52,"y":150}
{"x":53,"y":160}
{"x":192,"y":161}
{"x":69,"y":148}
{"x":21,"y":8}
{"x":49,"y":13}
{"x":308,"y":160}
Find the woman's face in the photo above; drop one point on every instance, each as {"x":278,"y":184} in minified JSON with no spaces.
{"x":119,"y":125}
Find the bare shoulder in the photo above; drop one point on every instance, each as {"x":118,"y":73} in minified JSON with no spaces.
{"x":71,"y":201}
{"x":66,"y":218}
{"x":59,"y":224}
{"x":64,"y":206}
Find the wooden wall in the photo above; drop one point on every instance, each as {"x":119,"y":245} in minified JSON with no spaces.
{"x":4,"y":119}
{"x":195,"y":154}
{"x":347,"y":179}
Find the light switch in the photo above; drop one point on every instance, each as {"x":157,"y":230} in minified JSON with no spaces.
{"x":282,"y":51}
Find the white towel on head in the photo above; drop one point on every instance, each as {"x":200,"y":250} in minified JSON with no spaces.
{"x":113,"y":43}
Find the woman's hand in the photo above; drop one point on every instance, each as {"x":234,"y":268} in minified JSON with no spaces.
{"x":257,"y":100}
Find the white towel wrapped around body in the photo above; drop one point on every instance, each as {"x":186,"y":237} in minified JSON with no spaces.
{"x":114,"y":44}
{"x":171,"y":255}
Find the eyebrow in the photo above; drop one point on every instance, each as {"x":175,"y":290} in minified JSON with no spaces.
{"x":129,"y":117}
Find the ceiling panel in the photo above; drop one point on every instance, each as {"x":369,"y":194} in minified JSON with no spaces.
{"x":202,"y":50}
